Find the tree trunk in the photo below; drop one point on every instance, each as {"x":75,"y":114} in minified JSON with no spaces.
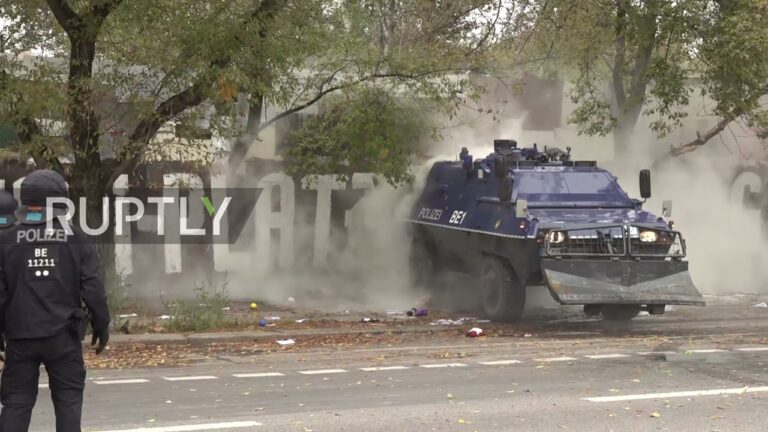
{"x":623,"y":134}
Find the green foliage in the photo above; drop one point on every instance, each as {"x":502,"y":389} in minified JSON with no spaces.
{"x":667,"y":94}
{"x":593,"y":111}
{"x":735,"y":52}
{"x":366,"y":131}
{"x":205,"y":312}
{"x":282,"y":52}
{"x":650,"y":56}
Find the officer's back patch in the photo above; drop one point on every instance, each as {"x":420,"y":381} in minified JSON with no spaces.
{"x":41,"y":261}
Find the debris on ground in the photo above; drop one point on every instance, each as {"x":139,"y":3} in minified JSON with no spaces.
{"x":369,"y":320}
{"x":299,"y":321}
{"x":459,"y":321}
{"x":262,"y":322}
{"x":761,"y":305}
{"x":286,"y":342}
{"x":417,"y":312}
{"x":475,"y":332}
{"x":254,"y":306}
{"x":655,"y":414}
{"x":133,"y":315}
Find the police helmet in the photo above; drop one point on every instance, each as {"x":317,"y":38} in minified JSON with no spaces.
{"x":40,"y":185}
{"x":8,"y":206}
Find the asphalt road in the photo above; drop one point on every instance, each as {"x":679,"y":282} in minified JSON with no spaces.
{"x":703,"y":381}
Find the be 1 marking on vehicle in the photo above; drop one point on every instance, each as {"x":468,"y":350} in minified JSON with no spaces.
{"x":458,"y":217}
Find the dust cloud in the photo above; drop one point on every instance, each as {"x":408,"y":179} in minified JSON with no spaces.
{"x":726,"y":248}
{"x":367,"y":272}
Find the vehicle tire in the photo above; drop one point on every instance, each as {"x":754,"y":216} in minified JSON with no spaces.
{"x":502,"y":297}
{"x":423,"y":265}
{"x":620,"y":312}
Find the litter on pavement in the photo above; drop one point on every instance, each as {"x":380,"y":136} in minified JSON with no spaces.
{"x":418,"y":312}
{"x":761,"y":305}
{"x":286,"y":342}
{"x":128,"y":315}
{"x":369,"y":320}
{"x":299,"y":321}
{"x":475,"y":332}
{"x":459,"y":321}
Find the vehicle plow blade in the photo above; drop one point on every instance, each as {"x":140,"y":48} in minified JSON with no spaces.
{"x":584,"y":281}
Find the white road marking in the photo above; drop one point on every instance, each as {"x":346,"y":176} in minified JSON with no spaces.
{"x":190,"y":378}
{"x":500,"y":362}
{"x":442,"y":365}
{"x":121,"y":381}
{"x":554,"y":359}
{"x":693,"y":393}
{"x":605,"y":356}
{"x":752,"y":349}
{"x":705,"y":351}
{"x":383,"y":368}
{"x":191,"y":428}
{"x":258,"y":375}
{"x":322,"y":371}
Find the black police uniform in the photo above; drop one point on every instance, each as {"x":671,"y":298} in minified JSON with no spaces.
{"x":8,"y":207}
{"x":45,"y":277}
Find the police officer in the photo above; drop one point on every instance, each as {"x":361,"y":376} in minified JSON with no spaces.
{"x":46,"y":274}
{"x":8,"y":206}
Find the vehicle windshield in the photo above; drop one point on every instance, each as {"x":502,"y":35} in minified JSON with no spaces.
{"x":570,"y":188}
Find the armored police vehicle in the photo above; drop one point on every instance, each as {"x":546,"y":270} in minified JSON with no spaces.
{"x":524,"y":217}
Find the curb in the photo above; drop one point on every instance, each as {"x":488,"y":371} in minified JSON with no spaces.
{"x":248,"y":336}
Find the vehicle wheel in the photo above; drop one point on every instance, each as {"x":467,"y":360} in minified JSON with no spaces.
{"x":423,"y":266}
{"x":620,"y":312}
{"x":502,"y":296}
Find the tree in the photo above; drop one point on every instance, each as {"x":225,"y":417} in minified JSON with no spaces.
{"x":190,"y":60}
{"x":370,"y":130}
{"x":653,"y":54}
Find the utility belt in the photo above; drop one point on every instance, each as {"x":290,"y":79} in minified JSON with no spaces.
{"x":78,"y":323}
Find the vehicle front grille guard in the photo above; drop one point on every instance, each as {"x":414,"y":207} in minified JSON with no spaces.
{"x":614,"y":241}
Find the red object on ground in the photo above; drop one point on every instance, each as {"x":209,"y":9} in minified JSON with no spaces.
{"x":475,"y":332}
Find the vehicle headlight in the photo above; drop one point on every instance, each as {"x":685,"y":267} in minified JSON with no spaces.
{"x":555,"y":237}
{"x":648,"y":236}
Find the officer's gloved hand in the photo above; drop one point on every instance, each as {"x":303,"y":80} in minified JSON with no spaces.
{"x":102,"y":335}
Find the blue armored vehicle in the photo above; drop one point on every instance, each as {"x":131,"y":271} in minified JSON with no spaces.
{"x":524,"y":217}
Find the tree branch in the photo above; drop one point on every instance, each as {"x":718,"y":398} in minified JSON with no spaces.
{"x":642,"y":62}
{"x":67,"y":18}
{"x":102,"y":9}
{"x":242,"y":144}
{"x":700,"y":139}
{"x":619,"y":58}
{"x":191,"y":97}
